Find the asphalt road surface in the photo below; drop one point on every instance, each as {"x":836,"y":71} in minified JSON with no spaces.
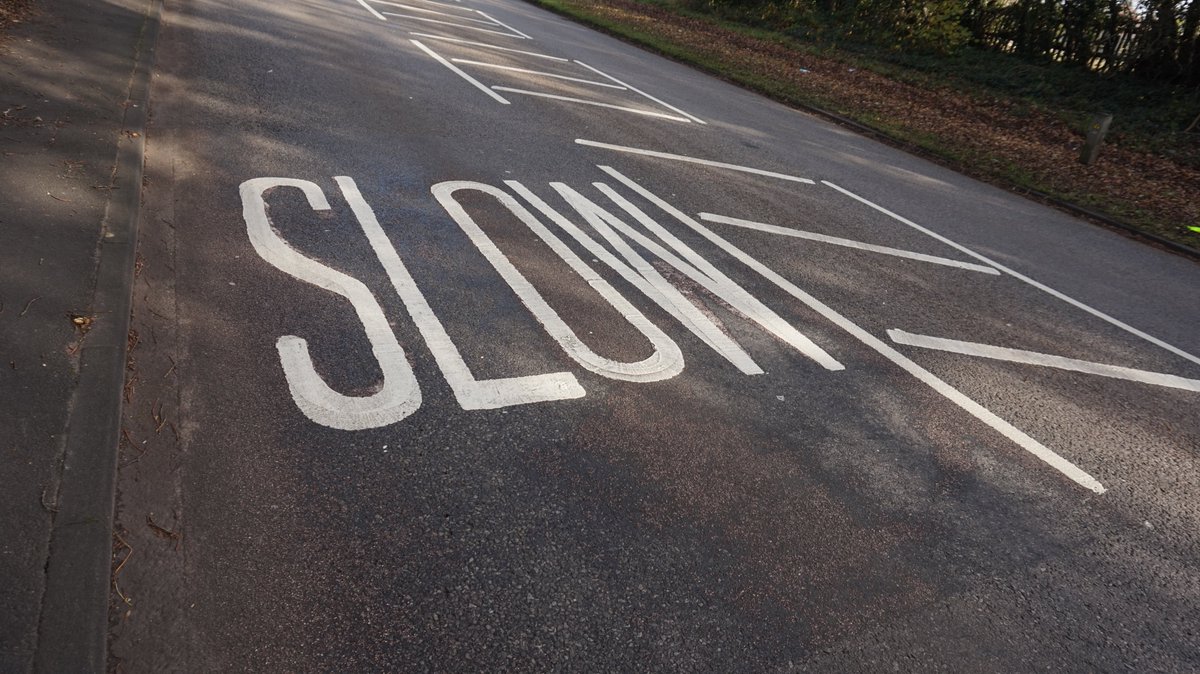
{"x":470,"y":339}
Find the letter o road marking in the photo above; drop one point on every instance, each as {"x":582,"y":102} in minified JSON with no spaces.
{"x":664,"y":363}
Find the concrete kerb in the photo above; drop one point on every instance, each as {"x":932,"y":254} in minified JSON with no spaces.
{"x":73,"y":631}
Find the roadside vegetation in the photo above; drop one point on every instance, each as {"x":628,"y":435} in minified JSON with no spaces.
{"x":12,"y":12}
{"x":1001,"y":89}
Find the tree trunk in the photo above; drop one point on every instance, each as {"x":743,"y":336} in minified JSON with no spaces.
{"x":1189,"y":48}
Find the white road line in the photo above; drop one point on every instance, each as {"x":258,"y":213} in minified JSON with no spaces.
{"x":471,"y":393}
{"x":642,"y":275}
{"x":1043,"y":359}
{"x":952,"y":394}
{"x":501,"y":23}
{"x":703,"y":273}
{"x":648,"y":113}
{"x":692,"y":160}
{"x":428,"y":2}
{"x":472,"y":43}
{"x":664,"y":363}
{"x":1017,"y":275}
{"x":434,"y":11}
{"x":455,"y":69}
{"x":541,"y":73}
{"x":847,"y":243}
{"x":449,"y":23}
{"x":399,"y":394}
{"x":372,"y":10}
{"x":633,"y":88}
{"x":707,"y":275}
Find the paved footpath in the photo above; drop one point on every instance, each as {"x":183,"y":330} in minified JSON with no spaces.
{"x":64,"y":81}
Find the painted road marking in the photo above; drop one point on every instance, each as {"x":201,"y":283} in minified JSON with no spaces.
{"x":449,"y":23}
{"x":692,"y":160}
{"x":399,"y":395}
{"x":428,"y":2}
{"x":642,"y":275}
{"x":372,"y":10}
{"x":472,"y":43}
{"x":584,"y":101}
{"x":426,"y":10}
{"x":1019,"y":276}
{"x":539,"y":73}
{"x":666,"y":361}
{"x":633,"y":88}
{"x":617,"y":84}
{"x":1043,"y":359}
{"x":952,"y":394}
{"x":471,"y":393}
{"x":703,"y":272}
{"x":501,"y":23}
{"x":986,"y":260}
{"x":847,"y":243}
{"x":458,"y":71}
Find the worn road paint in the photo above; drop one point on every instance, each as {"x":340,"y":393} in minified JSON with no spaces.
{"x":664,"y":363}
{"x":372,"y":10}
{"x":633,"y":88}
{"x":570,"y":99}
{"x":846,"y":243}
{"x":449,"y":23}
{"x":539,"y":73}
{"x":458,"y":71}
{"x":473,"y":43}
{"x":471,"y":393}
{"x":428,"y":2}
{"x":426,"y":10}
{"x":1019,"y":276}
{"x":399,"y":395}
{"x":692,"y":160}
{"x":1043,"y":359}
{"x":1051,"y":458}
{"x":498,"y":22}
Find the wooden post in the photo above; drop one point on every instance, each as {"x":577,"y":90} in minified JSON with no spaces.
{"x":1097,"y":129}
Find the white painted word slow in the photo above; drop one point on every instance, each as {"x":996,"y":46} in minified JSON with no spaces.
{"x":400,"y":395}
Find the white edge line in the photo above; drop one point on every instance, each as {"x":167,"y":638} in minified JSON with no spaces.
{"x":1017,"y":275}
{"x":633,"y":88}
{"x":458,"y":71}
{"x":541,"y":73}
{"x":501,"y":23}
{"x":372,"y":10}
{"x":1070,"y":470}
{"x":847,"y":243}
{"x":692,"y":160}
{"x":448,"y":23}
{"x":649,"y":113}
{"x":473,"y":43}
{"x":1043,"y":359}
